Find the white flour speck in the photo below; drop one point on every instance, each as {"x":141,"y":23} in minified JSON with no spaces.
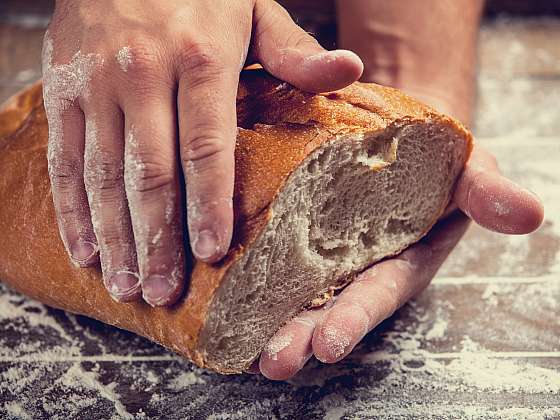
{"x":437,"y":330}
{"x":124,"y":58}
{"x":501,"y":209}
{"x":336,"y":341}
{"x":278,"y":343}
{"x":186,"y":379}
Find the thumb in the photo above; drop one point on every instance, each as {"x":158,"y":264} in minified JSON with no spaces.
{"x":289,"y":53}
{"x":494,"y":201}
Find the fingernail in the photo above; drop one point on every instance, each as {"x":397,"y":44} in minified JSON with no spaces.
{"x":82,"y":251}
{"x":156,"y":289}
{"x":123,"y":285}
{"x":205,"y":245}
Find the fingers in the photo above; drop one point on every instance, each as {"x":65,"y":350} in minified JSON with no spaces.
{"x":494,"y":201}
{"x":290,"y":348}
{"x":330,"y":333}
{"x":208,"y":129}
{"x":378,"y":292}
{"x":152,"y":188}
{"x":289,"y":53}
{"x":103,"y":176}
{"x":65,"y":156}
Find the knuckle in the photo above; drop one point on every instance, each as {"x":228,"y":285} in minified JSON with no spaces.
{"x":147,"y":71}
{"x":298,"y":38}
{"x":63,"y":170}
{"x":103,"y":172}
{"x":203,"y":147}
{"x":201,"y":62}
{"x":144,"y":175}
{"x":64,"y":211}
{"x":146,"y":60}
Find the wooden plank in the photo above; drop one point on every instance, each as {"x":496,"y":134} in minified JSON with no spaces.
{"x":520,"y":48}
{"x":497,"y":317}
{"x":361,"y":388}
{"x":481,"y":342}
{"x":517,"y":107}
{"x":533,"y":163}
{"x":20,"y":54}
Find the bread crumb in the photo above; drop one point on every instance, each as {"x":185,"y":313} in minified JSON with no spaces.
{"x":281,"y":86}
{"x":322,"y":299}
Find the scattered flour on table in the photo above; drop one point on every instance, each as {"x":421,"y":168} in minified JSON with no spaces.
{"x":491,"y":292}
{"x":16,"y":379}
{"x":473,"y":367}
{"x":22,"y":314}
{"x":186,"y":379}
{"x":27,"y":20}
{"x":16,"y":410}
{"x":48,"y":342}
{"x":505,"y":91}
{"x":410,"y":368}
{"x":151,"y":377}
{"x":438,"y":329}
{"x":27,"y":76}
{"x":516,"y":133}
{"x":450,"y":410}
{"x":78,"y":378}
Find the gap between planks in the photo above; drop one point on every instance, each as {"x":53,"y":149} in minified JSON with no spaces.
{"x":377,"y":356}
{"x":507,"y":140}
{"x":495,"y":280}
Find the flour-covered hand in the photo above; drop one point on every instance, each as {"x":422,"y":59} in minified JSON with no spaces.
{"x":139,"y":93}
{"x":330,"y":333}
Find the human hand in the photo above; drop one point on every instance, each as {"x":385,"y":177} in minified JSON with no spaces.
{"x":330,"y":333}
{"x":134,"y":91}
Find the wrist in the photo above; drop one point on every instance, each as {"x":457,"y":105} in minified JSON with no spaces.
{"x":444,"y":79}
{"x":427,"y":48}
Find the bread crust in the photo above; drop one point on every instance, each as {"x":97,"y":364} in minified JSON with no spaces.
{"x":279,"y":127}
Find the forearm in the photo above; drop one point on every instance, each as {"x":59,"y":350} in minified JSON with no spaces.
{"x":426,"y":47}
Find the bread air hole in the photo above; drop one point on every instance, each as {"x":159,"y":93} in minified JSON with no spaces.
{"x":353,"y":201}
{"x":379,"y":152}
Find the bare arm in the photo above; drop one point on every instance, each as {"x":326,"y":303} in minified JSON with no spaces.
{"x":425,"y":47}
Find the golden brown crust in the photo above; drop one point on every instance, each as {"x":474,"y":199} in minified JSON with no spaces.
{"x":17,"y":108}
{"x":280,"y":127}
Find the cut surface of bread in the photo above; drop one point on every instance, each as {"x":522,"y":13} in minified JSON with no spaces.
{"x":325,"y":185}
{"x":353,"y":201}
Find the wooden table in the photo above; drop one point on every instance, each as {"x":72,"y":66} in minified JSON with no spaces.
{"x":482,"y":342}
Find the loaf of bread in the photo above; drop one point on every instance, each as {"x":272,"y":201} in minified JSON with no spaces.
{"x":326,"y":185}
